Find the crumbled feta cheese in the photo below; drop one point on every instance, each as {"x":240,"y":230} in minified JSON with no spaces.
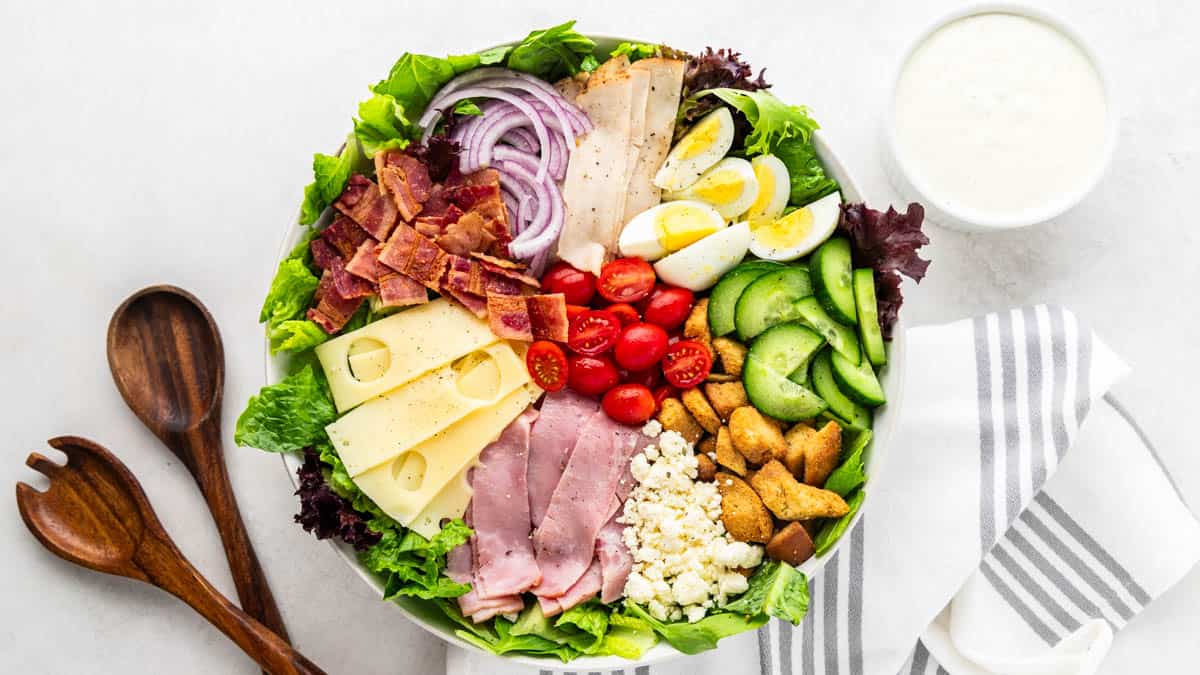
{"x":652,"y":428}
{"x":683,"y":557}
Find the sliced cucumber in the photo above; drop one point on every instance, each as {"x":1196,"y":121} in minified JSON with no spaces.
{"x":770,"y":300}
{"x":775,"y":395}
{"x":832,"y":283}
{"x":868,"y":316}
{"x":786,"y":347}
{"x":724,"y":296}
{"x":847,"y":412}
{"x":857,"y":380}
{"x":839,"y":336}
{"x":802,"y":374}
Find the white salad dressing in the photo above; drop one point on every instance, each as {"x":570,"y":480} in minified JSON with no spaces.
{"x":1000,"y":115}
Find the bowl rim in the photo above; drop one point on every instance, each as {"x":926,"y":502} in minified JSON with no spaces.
{"x":893,"y":382}
{"x":972,"y":219}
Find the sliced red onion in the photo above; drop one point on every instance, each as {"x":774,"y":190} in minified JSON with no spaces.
{"x":525,"y":208}
{"x":553,"y":96}
{"x":523,"y":140}
{"x":433,"y":114}
{"x":548,"y":222}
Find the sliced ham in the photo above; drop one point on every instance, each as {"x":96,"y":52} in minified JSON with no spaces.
{"x":509,"y":604}
{"x":615,"y":561}
{"x":586,"y":588}
{"x":662,"y":103}
{"x":397,"y":290}
{"x":563,"y":414}
{"x":500,"y":512}
{"x":363,"y":203}
{"x":565,"y":540}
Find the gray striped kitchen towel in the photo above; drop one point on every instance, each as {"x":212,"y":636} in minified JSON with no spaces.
{"x":986,"y":546}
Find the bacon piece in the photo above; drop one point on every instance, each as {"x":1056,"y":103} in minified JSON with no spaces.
{"x":432,"y":226}
{"x":397,"y":290}
{"x":323,"y":286}
{"x":508,"y":317}
{"x":414,"y":255}
{"x":509,"y":272}
{"x":346,"y":284}
{"x":405,"y":179}
{"x":344,"y":235}
{"x":438,"y":202}
{"x":480,"y":194}
{"x":365,"y":262}
{"x":333,"y":311}
{"x":323,"y":253}
{"x":476,"y":304}
{"x":499,"y":285}
{"x":548,"y":316}
{"x":469,"y":233}
{"x":458,"y":275}
{"x":366,"y":205}
{"x":499,"y":263}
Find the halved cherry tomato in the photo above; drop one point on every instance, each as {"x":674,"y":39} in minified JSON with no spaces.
{"x":686,"y":364}
{"x":628,"y":403}
{"x":574,"y":311}
{"x":578,"y":286}
{"x":640,"y":346}
{"x":593,"y":332}
{"x":626,"y":280}
{"x":663,"y":393}
{"x":547,"y":365}
{"x":669,"y":307}
{"x":625,"y":312}
{"x":651,"y":377}
{"x":592,"y":375}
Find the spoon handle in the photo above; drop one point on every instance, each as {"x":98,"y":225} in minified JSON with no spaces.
{"x":166,"y":568}
{"x":212,"y":476}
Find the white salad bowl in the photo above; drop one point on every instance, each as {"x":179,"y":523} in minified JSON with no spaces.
{"x":432,"y":620}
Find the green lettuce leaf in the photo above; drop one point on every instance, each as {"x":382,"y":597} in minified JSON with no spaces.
{"x":553,"y":53}
{"x":415,"y":78}
{"x":807,"y":176}
{"x":329,"y":179}
{"x":296,"y":335}
{"x":290,"y":295}
{"x":636,"y":50}
{"x":504,"y":637}
{"x":590,"y":620}
{"x":834,"y":529}
{"x":693,"y":638}
{"x":413,"y":564}
{"x":287,"y":416}
{"x":851,"y":473}
{"x":772,"y":120}
{"x":381,"y":125}
{"x":467,"y":107}
{"x":776,"y":589}
{"x":627,"y":637}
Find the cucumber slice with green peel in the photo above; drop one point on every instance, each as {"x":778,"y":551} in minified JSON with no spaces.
{"x":802,"y":375}
{"x":839,"y":336}
{"x":775,"y":395}
{"x":857,"y":380}
{"x":724,"y":296}
{"x":786,"y":347}
{"x":832,"y":281}
{"x":844,"y":410}
{"x":868,"y":316}
{"x":770,"y":300}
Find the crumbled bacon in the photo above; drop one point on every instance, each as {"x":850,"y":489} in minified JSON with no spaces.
{"x":469,"y":233}
{"x":323,"y":253}
{"x":405,"y":179}
{"x":347,"y":285}
{"x":365,"y":262}
{"x":363,"y":202}
{"x":397,"y":290}
{"x":415,"y":255}
{"x":548,"y":316}
{"x":344,"y":235}
{"x":508,"y":317}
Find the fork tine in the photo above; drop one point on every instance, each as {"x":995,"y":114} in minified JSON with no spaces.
{"x":75,"y":448}
{"x":42,"y":464}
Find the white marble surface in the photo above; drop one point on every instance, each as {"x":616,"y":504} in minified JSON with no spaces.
{"x":147,"y":142}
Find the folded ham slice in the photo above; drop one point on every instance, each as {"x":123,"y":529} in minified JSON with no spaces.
{"x":500,"y":513}
{"x":563,"y":414}
{"x":580,"y":592}
{"x":460,"y":562}
{"x":615,"y":561}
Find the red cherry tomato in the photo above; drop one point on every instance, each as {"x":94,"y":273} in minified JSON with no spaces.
{"x":578,"y":286}
{"x":547,"y":365}
{"x":663,"y":393}
{"x":574,"y":311}
{"x":626,"y":280}
{"x":640,"y":346}
{"x":592,"y":375}
{"x":593,"y":332}
{"x":625,"y":312}
{"x":686,"y":364}
{"x":628,"y":403}
{"x":650,"y":377}
{"x":669,"y":307}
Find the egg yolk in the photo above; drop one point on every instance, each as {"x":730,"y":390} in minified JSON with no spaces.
{"x":681,"y":225}
{"x":720,"y":187}
{"x":700,"y":138}
{"x":786,"y":231}
{"x":766,"y":191}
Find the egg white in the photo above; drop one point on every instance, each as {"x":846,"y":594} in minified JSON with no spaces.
{"x":821,"y":218}
{"x":699,"y":266}
{"x":701,"y":147}
{"x":641,"y":237}
{"x":729,"y":186}
{"x":774,"y":187}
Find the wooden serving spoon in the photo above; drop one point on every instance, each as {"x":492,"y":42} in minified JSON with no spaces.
{"x":166,"y":358}
{"x":95,"y":514}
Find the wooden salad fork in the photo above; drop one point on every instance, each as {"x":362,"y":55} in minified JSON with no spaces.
{"x":95,"y":514}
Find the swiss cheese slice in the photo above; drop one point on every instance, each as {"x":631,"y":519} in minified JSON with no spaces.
{"x":428,"y":481}
{"x":398,"y":349}
{"x":384,"y":427}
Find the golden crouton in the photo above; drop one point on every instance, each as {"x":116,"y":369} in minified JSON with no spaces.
{"x":821,"y":453}
{"x":696,"y":404}
{"x":790,"y":499}
{"x":797,"y":439}
{"x":707,"y":445}
{"x":696,"y":326}
{"x":792,"y":545}
{"x":722,"y":377}
{"x":675,"y":417}
{"x":706,"y":470}
{"x":725,"y":397}
{"x":758,"y":440}
{"x":745,"y":516}
{"x":727,"y":456}
{"x":732,"y":354}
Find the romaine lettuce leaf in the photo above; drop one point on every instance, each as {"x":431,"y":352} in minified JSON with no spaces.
{"x":553,"y":53}
{"x":381,"y":125}
{"x":807,"y":176}
{"x":290,"y":295}
{"x":504,"y":637}
{"x":415,"y":78}
{"x":776,"y":589}
{"x":693,"y":638}
{"x":834,"y":529}
{"x":636,"y":50}
{"x":772,"y":120}
{"x":289,"y":415}
{"x":329,"y":179}
{"x":851,"y":473}
{"x":590,"y":621}
{"x":627,"y":637}
{"x":413,"y":564}
{"x":295,"y":335}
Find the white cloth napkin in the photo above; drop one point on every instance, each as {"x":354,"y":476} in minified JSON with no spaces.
{"x":988,"y":548}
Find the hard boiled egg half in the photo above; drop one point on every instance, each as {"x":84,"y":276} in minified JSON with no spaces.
{"x":797,"y":233}
{"x":700,"y":265}
{"x":729,"y":186}
{"x":700,"y":148}
{"x":667,"y":228}
{"x":774,"y":187}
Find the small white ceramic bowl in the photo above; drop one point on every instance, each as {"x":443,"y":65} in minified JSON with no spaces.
{"x":908,"y":185}
{"x":431,"y":619}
